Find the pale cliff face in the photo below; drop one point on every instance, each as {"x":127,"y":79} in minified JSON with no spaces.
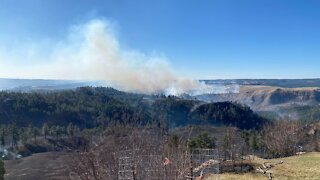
{"x":268,"y":98}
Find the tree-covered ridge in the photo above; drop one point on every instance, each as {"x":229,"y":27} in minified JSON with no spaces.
{"x":90,"y":107}
{"x":226,"y":113}
{"x":181,"y":112}
{"x":85,"y":106}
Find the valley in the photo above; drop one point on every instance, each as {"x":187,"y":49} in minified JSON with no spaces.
{"x":63,"y":126}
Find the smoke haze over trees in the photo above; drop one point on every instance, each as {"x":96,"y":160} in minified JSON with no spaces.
{"x":90,"y":107}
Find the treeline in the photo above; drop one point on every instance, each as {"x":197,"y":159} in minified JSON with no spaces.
{"x":283,"y":138}
{"x":86,"y":107}
{"x":304,"y":114}
{"x":12,"y":136}
{"x":24,"y":141}
{"x":179,"y":112}
{"x":308,"y":113}
{"x":91,"y":107}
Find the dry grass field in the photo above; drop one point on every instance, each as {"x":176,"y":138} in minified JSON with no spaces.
{"x":306,"y":166}
{"x":53,"y":166}
{"x":41,"y":166}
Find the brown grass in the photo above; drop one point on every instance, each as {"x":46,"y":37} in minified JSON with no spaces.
{"x":306,"y":166}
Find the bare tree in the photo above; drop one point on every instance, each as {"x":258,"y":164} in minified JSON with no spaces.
{"x":134,"y":153}
{"x":282,"y":138}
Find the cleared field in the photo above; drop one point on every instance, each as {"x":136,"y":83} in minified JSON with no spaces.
{"x":51,"y":165}
{"x":306,"y":166}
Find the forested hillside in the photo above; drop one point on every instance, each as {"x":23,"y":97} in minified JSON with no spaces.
{"x":179,"y":112}
{"x":85,"y":107}
{"x":89,"y":107}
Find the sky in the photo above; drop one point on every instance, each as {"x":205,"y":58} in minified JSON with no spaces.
{"x":209,"y":39}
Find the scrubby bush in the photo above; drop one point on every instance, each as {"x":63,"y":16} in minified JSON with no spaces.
{"x":202,"y":141}
{"x":283,"y":138}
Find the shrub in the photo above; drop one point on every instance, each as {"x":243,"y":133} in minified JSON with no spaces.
{"x":202,"y":141}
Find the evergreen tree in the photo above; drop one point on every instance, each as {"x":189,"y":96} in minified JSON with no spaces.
{"x":254,"y":142}
{"x":2,"y":136}
{"x":76,"y":130}
{"x":36,"y":132}
{"x":202,"y":141}
{"x":45,"y":130}
{"x":174,"y":141}
{"x":14,"y":135}
{"x":70,"y":129}
{"x":53,"y":131}
{"x":32,"y":132}
{"x":23,"y":135}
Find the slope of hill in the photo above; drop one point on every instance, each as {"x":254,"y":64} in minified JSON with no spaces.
{"x":304,"y":166}
{"x":86,"y":107}
{"x":89,"y":107}
{"x":51,"y":165}
{"x":267,"y":97}
{"x":180,"y":112}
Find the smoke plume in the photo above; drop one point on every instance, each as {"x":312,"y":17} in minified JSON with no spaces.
{"x":92,"y":52}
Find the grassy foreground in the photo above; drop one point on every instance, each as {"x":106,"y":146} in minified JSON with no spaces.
{"x":306,"y":166}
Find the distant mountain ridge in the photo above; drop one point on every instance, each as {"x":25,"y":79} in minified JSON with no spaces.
{"x":263,"y":98}
{"x":26,"y":85}
{"x":285,"y":83}
{"x":45,"y":84}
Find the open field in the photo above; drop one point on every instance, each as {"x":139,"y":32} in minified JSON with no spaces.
{"x":51,"y":165}
{"x":306,"y":166}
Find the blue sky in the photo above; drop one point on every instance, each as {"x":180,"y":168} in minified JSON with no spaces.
{"x":202,"y":39}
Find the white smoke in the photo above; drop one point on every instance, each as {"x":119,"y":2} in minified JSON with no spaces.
{"x":92,"y":52}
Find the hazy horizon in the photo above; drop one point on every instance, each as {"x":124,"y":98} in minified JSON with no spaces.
{"x":168,"y":49}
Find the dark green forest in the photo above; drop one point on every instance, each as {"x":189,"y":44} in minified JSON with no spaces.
{"x":90,"y":107}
